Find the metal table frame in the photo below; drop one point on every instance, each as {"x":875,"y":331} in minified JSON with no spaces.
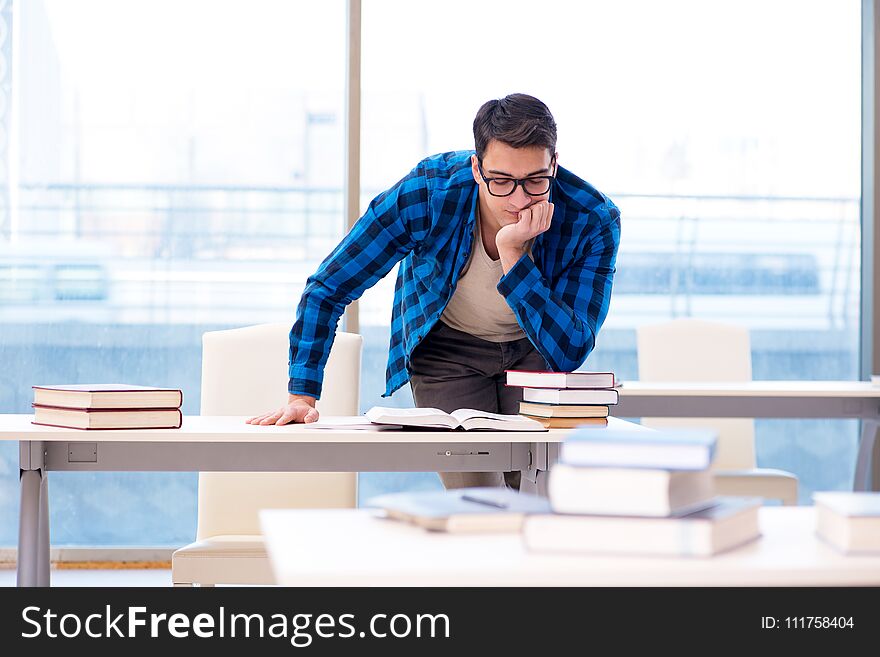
{"x":760,"y":400}
{"x":82,"y":452}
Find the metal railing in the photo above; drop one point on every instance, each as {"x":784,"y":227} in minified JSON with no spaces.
{"x":183,"y":247}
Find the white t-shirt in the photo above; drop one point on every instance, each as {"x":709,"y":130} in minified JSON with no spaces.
{"x":477,"y":307}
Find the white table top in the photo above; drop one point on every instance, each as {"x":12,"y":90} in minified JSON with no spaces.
{"x":845,"y":389}
{"x":343,"y":547}
{"x":214,"y":429}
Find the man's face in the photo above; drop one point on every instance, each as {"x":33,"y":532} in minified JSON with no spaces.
{"x":505,"y":162}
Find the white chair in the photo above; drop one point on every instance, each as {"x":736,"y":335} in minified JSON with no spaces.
{"x":244,"y":372}
{"x":692,"y":350}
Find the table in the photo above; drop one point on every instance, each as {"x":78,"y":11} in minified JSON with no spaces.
{"x":228,"y":444}
{"x":767,"y":399}
{"x":345,"y":547}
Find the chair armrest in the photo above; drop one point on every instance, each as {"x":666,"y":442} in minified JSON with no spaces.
{"x":763,"y":482}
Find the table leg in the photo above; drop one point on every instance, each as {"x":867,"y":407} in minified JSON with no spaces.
{"x":43,"y":562}
{"x":541,"y":479}
{"x":867,"y":475}
{"x":533,"y":481}
{"x":29,"y":527}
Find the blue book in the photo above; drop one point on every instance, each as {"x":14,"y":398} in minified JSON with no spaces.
{"x":479,"y":509}
{"x":668,"y":449}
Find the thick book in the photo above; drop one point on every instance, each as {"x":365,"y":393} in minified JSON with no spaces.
{"x":562,"y":410}
{"x":107,"y":418}
{"x":849,"y":521}
{"x":544,"y":379}
{"x":669,"y":449}
{"x":598,"y":396}
{"x":463,"y":419}
{"x":462,"y":509}
{"x":568,"y":422}
{"x":729,"y":523}
{"x":628,"y":491}
{"x":107,"y":395}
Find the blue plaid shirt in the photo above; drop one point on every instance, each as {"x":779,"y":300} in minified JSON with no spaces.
{"x":427,"y":221}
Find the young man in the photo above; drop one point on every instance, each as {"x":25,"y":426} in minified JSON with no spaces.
{"x":508,"y":261}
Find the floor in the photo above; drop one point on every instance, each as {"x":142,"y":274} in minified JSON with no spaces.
{"x":122,"y":577}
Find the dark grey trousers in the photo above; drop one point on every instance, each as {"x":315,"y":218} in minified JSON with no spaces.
{"x":450,"y":369}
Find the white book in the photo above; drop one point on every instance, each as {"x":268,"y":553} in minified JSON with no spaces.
{"x":601,"y":396}
{"x":563,"y":410}
{"x":849,"y":521}
{"x":628,"y":491}
{"x":731,"y":522}
{"x":530,"y":379}
{"x":465,"y":419}
{"x":669,"y":449}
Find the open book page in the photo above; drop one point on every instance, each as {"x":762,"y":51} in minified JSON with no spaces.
{"x":469,"y":418}
{"x":422,"y":417}
{"x":463,"y":414}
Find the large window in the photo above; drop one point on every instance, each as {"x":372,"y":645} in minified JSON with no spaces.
{"x":178,"y":169}
{"x":728,"y":135}
{"x":177,"y":166}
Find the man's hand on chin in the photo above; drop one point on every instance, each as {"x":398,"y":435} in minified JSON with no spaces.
{"x":512,"y":239}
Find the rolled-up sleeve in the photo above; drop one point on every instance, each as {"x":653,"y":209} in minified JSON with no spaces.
{"x":381,"y":237}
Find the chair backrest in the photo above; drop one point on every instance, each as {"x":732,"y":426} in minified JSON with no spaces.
{"x":694,"y":350}
{"x":245,"y":372}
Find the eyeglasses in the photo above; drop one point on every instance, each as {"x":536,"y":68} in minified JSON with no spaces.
{"x":532,"y":186}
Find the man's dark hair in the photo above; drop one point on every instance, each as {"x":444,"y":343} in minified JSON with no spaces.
{"x":518,"y":120}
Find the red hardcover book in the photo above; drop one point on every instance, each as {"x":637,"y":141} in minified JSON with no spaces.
{"x":106,"y":396}
{"x":108,"y":418}
{"x":532,"y":379}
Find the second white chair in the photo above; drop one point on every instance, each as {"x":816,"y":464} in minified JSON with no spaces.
{"x":692,"y":350}
{"x":244,"y":372}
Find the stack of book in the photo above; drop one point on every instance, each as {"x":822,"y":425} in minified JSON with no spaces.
{"x":107,"y":406}
{"x":563,"y":400}
{"x":639,"y":492}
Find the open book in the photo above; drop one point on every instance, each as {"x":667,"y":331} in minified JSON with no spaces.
{"x":462,"y":509}
{"x":465,"y":419}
